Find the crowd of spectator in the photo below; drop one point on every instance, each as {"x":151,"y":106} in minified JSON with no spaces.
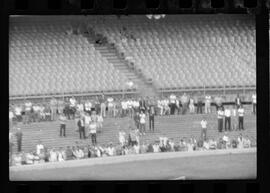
{"x":126,"y":146}
{"x":28,"y":111}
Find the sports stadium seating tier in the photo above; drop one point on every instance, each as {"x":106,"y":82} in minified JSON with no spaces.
{"x":185,"y":51}
{"x":179,"y":51}
{"x":45,"y":60}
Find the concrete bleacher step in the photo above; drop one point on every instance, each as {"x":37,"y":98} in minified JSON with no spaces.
{"x":114,"y":57}
{"x":174,"y":126}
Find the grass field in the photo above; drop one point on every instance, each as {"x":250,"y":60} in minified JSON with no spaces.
{"x":227,"y":166}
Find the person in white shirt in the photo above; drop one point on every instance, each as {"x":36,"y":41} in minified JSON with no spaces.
{"x":122,"y":137}
{"x":99,"y":123}
{"x":40,"y":147}
{"x":88,"y":106}
{"x":204,"y":129}
{"x":226,"y":140}
{"x":110,"y":150}
{"x":93,"y":132}
{"x":191,"y":105}
{"x":234,"y":118}
{"x":11,"y":117}
{"x":166,"y":107}
{"x":28,"y":107}
{"x":160,"y":106}
{"x":110,"y":106}
{"x":53,"y":156}
{"x":246,"y":142}
{"x":53,"y":107}
{"x":124,"y":108}
{"x":220,"y":119}
{"x":18,"y":113}
{"x":137,"y":148}
{"x":72,"y":101}
{"x":227,"y":114}
{"x":156,"y":148}
{"x":254,"y":103}
{"x":60,"y":156}
{"x":207,"y":104}
{"x":206,"y":145}
{"x":142,"y":122}
{"x":240,"y":140}
{"x":241,"y":113}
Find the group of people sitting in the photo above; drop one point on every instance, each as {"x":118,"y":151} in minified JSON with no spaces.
{"x":43,"y":154}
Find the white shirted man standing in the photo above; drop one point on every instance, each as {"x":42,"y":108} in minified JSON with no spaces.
{"x":227,"y":114}
{"x":142,"y":122}
{"x":204,"y":129}
{"x":110,"y":106}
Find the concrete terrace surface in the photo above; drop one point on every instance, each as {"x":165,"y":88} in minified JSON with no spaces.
{"x":215,"y":164}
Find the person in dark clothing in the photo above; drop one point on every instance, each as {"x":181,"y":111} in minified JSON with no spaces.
{"x":137,"y":119}
{"x":142,"y":105}
{"x":220,"y":113}
{"x":19,"y":135}
{"x":81,"y":125}
{"x":199,"y":105}
{"x":238,"y":102}
{"x":151,"y":118}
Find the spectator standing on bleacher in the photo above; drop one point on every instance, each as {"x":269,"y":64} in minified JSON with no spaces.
{"x":227,"y":114}
{"x":204,"y":129}
{"x":81,"y":126}
{"x":62,"y":120}
{"x":234,"y":118}
{"x":88,"y":106}
{"x":72,"y":105}
{"x":53,"y":107}
{"x":152,"y":118}
{"x":218,"y":101}
{"x":11,"y":117}
{"x":238,"y":102}
{"x":191,"y":105}
{"x":241,"y":113}
{"x":142,"y":104}
{"x":207,"y":104}
{"x":254,"y":103}
{"x":93,"y":128}
{"x":184,"y":102}
{"x":199,"y":103}
{"x":142,"y":122}
{"x":19,"y":136}
{"x":39,"y":147}
{"x":103,"y":107}
{"x":220,"y":115}
{"x":18,"y":112}
{"x":172,"y":103}
{"x":28,"y":107}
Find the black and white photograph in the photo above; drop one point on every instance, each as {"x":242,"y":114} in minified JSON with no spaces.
{"x":132,"y":97}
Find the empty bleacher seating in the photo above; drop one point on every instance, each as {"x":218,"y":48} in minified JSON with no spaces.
{"x":45,"y":60}
{"x":186,"y":50}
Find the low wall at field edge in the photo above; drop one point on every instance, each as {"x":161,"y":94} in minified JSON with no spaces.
{"x":128,"y":158}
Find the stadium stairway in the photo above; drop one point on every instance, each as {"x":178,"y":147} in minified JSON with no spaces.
{"x":173,"y":126}
{"x":111,"y":53}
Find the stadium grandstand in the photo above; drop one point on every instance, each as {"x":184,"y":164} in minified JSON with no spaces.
{"x":122,"y":71}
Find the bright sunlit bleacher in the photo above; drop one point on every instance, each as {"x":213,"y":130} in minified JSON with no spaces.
{"x":43,"y":59}
{"x":188,"y":51}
